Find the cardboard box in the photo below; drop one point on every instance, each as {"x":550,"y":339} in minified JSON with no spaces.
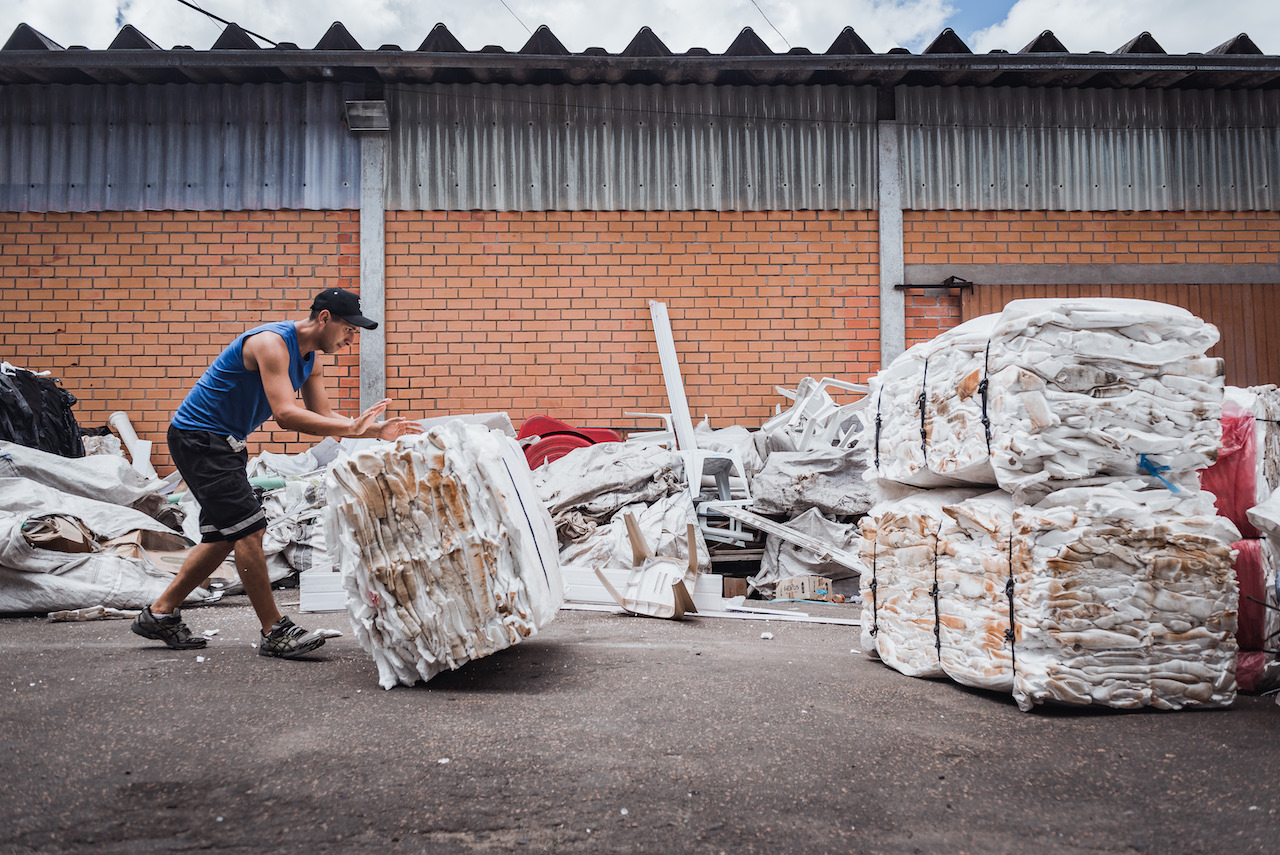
{"x":60,"y":533}
{"x":804,"y":588}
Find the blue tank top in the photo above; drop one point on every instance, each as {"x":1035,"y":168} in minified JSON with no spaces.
{"x":228,"y":398}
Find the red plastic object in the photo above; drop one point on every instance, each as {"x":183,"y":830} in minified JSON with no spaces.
{"x":553,"y":448}
{"x":557,"y":438}
{"x":1233,"y":478}
{"x":1251,"y":623}
{"x":1249,"y":665}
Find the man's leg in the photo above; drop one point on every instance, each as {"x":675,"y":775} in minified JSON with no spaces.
{"x":199,"y":565}
{"x":161,"y":621}
{"x":281,"y":637}
{"x":251,"y":563}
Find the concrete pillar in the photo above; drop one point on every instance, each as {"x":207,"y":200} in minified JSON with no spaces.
{"x":893,"y":320}
{"x":373,"y":269}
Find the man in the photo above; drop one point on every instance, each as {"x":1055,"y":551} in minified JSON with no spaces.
{"x":255,"y":378}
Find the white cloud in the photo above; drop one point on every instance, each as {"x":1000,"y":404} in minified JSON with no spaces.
{"x":579,"y":24}
{"x":1180,"y":26}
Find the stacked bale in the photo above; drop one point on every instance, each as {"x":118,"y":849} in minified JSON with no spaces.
{"x":1077,"y":582}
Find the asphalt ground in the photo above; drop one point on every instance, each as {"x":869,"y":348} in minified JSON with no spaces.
{"x":603,"y":733}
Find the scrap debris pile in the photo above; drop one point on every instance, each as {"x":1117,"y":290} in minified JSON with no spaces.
{"x":815,"y":487}
{"x":447,"y":555}
{"x":80,"y":532}
{"x":590,"y":491}
{"x":1098,"y":573}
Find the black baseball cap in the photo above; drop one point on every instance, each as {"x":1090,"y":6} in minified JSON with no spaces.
{"x":342,"y":304}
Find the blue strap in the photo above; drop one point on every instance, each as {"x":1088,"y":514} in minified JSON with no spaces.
{"x":1154,"y":470}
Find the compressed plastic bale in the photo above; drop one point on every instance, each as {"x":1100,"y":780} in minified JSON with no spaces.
{"x":1247,"y":468}
{"x":1258,"y":631}
{"x":975,"y":609}
{"x":1125,"y":598}
{"x":447,"y":554}
{"x":1264,"y":403}
{"x":900,"y":546}
{"x":1050,"y":394}
{"x":1119,"y":596}
{"x":894,"y":435}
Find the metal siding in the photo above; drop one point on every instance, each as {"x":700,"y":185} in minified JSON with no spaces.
{"x":600,"y":147}
{"x":967,"y":148}
{"x":187,"y":148}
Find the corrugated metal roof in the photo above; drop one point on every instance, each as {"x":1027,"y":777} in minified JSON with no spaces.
{"x":31,"y":57}
{"x":496,"y":147}
{"x":967,"y":148}
{"x":224,"y":148}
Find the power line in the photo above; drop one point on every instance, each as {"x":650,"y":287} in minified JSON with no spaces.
{"x":770,"y":23}
{"x":517,"y":17}
{"x":225,"y":21}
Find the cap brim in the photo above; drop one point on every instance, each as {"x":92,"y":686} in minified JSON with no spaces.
{"x":360,"y":321}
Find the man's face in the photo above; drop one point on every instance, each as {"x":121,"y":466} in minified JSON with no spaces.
{"x":338,"y":334}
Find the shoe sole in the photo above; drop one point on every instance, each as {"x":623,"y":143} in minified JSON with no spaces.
{"x":193,"y":644}
{"x":294,"y":654}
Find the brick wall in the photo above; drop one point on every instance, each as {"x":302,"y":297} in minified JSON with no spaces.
{"x":127,"y":309}
{"x":548,"y":312}
{"x":1074,"y":237}
{"x":531,"y":312}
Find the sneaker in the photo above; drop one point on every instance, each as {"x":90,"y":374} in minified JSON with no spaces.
{"x":288,"y":640}
{"x":171,"y":630}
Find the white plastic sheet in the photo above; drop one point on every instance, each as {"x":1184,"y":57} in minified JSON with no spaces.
{"x":783,"y":559}
{"x":105,"y":478}
{"x":830,"y":480}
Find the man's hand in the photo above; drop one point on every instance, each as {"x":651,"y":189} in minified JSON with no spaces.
{"x":367,"y":424}
{"x":394,"y":428}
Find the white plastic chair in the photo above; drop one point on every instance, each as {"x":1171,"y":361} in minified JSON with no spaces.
{"x":817,"y":418}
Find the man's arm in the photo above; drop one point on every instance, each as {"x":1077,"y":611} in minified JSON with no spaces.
{"x":267,"y":353}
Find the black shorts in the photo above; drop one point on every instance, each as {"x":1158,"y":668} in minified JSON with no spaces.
{"x":216,"y":474}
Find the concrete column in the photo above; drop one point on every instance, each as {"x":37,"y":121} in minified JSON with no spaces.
{"x":373,"y":269}
{"x":893,"y":319}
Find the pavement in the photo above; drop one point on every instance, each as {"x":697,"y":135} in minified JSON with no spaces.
{"x":603,"y":733}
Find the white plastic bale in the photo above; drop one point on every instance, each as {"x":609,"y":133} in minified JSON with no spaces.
{"x":1074,"y":390}
{"x":1267,"y":410}
{"x":901,"y":546}
{"x":1122,"y":596}
{"x":973,"y":598}
{"x":1269,"y":671}
{"x":1125,"y":598}
{"x":447,"y":554}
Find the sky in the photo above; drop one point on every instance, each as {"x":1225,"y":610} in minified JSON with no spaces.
{"x":1180,"y":26}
